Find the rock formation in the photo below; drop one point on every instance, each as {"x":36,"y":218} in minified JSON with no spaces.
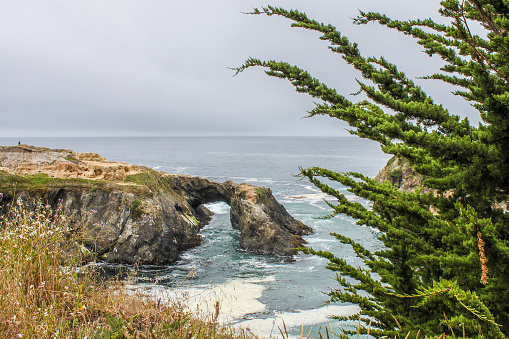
{"x":133,"y":214}
{"x":400,"y":173}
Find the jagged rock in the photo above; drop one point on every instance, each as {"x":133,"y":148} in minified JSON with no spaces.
{"x":264,"y":224}
{"x":133,"y":214}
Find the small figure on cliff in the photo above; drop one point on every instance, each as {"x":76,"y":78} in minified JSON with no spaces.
{"x":19,"y":143}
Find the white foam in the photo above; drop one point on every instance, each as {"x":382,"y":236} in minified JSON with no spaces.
{"x":311,"y":188}
{"x":236,"y":298}
{"x":353,"y":198}
{"x":316,"y":240}
{"x":313,"y":197}
{"x":180,"y":169}
{"x":269,"y":181}
{"x":244,"y":179}
{"x":218,"y":208}
{"x":270,"y":327}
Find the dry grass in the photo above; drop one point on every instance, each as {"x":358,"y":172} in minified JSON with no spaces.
{"x":46,"y":291}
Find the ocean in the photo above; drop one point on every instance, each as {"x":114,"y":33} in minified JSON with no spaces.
{"x":254,"y":291}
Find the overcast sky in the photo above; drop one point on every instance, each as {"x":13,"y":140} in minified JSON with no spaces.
{"x":160,"y":67}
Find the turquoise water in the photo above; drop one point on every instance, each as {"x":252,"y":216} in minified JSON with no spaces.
{"x":291,"y":290}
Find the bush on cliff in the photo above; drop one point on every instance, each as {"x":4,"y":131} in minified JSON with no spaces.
{"x":445,"y":265}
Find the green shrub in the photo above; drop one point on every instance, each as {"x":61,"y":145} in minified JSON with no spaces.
{"x":262,"y":195}
{"x":71,"y":159}
{"x":397,"y":176}
{"x":136,"y":210}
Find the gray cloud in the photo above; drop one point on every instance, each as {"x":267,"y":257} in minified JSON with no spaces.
{"x":127,"y":67}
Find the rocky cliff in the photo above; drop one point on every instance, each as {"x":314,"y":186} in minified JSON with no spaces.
{"x":133,"y":214}
{"x":399,"y":172}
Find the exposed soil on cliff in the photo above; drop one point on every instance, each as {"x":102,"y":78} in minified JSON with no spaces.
{"x":62,"y":163}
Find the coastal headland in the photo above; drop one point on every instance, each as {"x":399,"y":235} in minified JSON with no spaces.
{"x":134,"y":214}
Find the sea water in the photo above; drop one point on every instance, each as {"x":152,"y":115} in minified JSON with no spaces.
{"x":253,"y":291}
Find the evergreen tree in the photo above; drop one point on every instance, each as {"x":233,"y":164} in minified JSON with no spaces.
{"x":445,"y":265}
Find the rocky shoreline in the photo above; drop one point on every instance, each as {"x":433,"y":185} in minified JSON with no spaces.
{"x":134,"y":214}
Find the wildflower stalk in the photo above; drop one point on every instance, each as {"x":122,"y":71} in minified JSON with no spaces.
{"x":47,"y":291}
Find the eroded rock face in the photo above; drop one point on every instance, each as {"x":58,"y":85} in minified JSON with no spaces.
{"x":133,"y":214}
{"x":157,"y":234}
{"x":264,"y":224}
